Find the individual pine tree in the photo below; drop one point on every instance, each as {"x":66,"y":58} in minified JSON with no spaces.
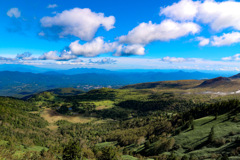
{"x":185,"y":157}
{"x":110,"y":153}
{"x":211,"y":135}
{"x":225,"y":157}
{"x":216,"y":116}
{"x":147,"y":144}
{"x":192,"y":126}
{"x":72,"y":151}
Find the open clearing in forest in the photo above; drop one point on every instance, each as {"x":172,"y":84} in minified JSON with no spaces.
{"x":105,"y":104}
{"x":52,"y":116}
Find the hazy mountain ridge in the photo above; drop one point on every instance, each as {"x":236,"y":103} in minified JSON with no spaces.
{"x":214,"y":82}
{"x":24,"y":83}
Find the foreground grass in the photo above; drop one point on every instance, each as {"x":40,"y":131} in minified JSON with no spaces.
{"x":224,"y":128}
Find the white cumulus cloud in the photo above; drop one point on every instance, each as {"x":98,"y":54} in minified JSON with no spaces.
{"x":203,"y":41}
{"x":183,"y":10}
{"x":55,"y":55}
{"x":51,"y":55}
{"x":145,"y":33}
{"x":93,"y":48}
{"x":219,"y":15}
{"x":235,"y":57}
{"x":132,"y":49}
{"x":226,"y":39}
{"x":82,"y":23}
{"x":14,"y":12}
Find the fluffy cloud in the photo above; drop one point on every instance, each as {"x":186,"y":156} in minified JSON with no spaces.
{"x":54,"y":55}
{"x":203,"y":41}
{"x":14,"y":12}
{"x":219,"y":15}
{"x":226,"y":39}
{"x":52,"y":6}
{"x":133,"y":49}
{"x":183,"y":10}
{"x":145,"y":33}
{"x":236,"y":57}
{"x":98,"y":46}
{"x":51,"y":55}
{"x":178,"y":59}
{"x":92,"y":48}
{"x":82,"y":23}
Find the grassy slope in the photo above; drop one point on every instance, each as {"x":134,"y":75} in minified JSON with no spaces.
{"x":193,"y":86}
{"x":223,"y":128}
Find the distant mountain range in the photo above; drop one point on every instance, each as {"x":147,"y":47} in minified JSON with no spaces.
{"x":33,"y":69}
{"x":72,"y":71}
{"x":22,"y":68}
{"x":19,"y":84}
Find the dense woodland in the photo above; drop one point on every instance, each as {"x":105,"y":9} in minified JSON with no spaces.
{"x":126,"y":124}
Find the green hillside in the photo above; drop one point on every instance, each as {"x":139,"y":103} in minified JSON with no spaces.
{"x":162,"y":120}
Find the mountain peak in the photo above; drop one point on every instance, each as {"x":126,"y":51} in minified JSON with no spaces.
{"x":215,"y":81}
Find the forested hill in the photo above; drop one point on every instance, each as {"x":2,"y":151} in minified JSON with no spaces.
{"x":183,"y":119}
{"x":121,"y":124}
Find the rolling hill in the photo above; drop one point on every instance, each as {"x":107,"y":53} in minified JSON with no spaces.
{"x":219,"y":84}
{"x":216,"y":82}
{"x":157,"y":120}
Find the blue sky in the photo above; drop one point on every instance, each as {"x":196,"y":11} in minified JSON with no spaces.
{"x":121,"y":34}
